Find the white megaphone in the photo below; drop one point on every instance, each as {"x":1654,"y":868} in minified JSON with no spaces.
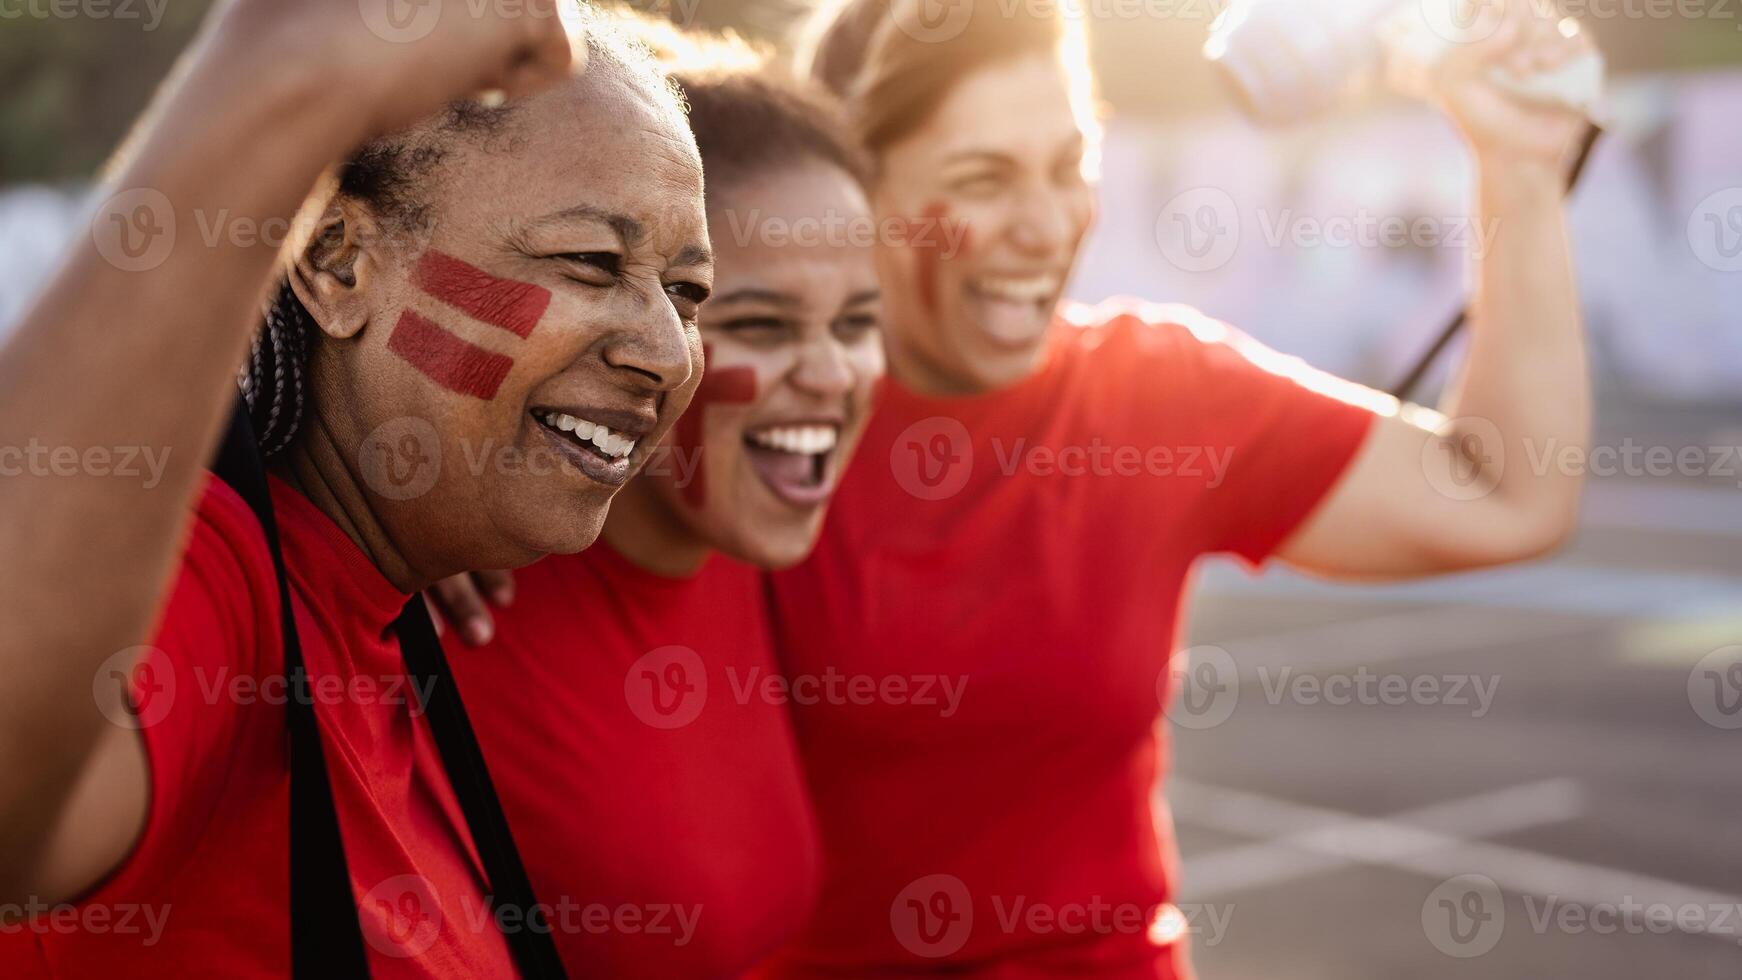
{"x":1289,"y":59}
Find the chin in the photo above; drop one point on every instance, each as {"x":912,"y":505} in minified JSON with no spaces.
{"x":563,"y":526}
{"x":775,"y":547}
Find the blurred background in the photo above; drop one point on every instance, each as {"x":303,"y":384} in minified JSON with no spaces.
{"x":1534,"y":772}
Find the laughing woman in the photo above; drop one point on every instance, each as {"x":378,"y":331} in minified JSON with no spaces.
{"x":1015,"y":515}
{"x":462,"y":279}
{"x":629,"y":705}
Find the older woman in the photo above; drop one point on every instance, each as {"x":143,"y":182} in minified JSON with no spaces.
{"x":462,"y":285}
{"x":630,"y":704}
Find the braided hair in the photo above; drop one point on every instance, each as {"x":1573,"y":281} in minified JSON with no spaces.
{"x":385,"y":175}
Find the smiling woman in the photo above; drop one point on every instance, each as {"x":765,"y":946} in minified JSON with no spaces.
{"x":490,"y":325}
{"x":651,"y":651}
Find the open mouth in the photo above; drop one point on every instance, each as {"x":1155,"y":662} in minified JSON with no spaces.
{"x":1015,"y":310}
{"x":598,"y":450}
{"x":795,"y":460}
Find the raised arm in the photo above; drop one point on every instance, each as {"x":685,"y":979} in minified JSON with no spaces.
{"x":135,"y":344}
{"x":1462,"y":488}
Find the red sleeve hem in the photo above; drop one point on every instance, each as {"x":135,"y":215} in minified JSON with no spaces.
{"x":1345,"y":436}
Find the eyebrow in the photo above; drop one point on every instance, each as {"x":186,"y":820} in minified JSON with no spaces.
{"x":752,"y":294}
{"x":1074,"y":142}
{"x":777,"y":298}
{"x":629,"y":231}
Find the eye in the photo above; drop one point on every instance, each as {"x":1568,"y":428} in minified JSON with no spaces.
{"x":687,"y":297}
{"x":593,"y":266}
{"x":854,"y":326}
{"x":756,"y":329}
{"x":981,"y":185}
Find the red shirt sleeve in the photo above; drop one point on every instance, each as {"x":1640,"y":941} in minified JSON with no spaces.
{"x":204,"y":668}
{"x":1276,"y":433}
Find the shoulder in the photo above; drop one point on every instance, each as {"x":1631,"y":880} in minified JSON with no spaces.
{"x":226,"y":587}
{"x":1177,"y":348}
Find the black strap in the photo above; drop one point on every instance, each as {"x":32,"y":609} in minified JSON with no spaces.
{"x":1425,"y":363}
{"x":525,"y":923}
{"x":326,"y":938}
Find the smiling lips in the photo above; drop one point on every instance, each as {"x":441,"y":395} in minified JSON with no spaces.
{"x":794,"y":459}
{"x":1014,"y":310}
{"x":588,"y":435}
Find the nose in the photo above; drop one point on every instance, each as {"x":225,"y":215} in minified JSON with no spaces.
{"x":823,"y":369}
{"x":653,"y":350}
{"x":1042,"y":223}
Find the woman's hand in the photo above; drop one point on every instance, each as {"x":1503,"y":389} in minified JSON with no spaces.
{"x":465,"y":601}
{"x":395,"y":61}
{"x":1505,"y":129}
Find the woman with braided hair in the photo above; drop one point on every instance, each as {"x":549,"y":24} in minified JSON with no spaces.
{"x":466,"y":290}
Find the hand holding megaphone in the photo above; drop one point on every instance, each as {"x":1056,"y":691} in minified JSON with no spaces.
{"x":1288,"y":59}
{"x":1519,"y":79}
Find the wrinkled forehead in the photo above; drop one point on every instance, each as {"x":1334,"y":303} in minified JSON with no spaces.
{"x":599,"y":141}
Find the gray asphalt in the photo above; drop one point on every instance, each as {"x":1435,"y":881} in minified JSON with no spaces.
{"x":1444,"y":835}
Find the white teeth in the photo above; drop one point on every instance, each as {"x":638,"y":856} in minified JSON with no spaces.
{"x":607,"y":442}
{"x":1017,"y":289}
{"x":806,"y":440}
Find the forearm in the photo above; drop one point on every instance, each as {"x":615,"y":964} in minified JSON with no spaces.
{"x":1526,"y":371}
{"x":141,"y":360}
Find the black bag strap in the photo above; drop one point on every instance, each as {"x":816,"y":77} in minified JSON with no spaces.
{"x":326,"y":938}
{"x":528,"y":927}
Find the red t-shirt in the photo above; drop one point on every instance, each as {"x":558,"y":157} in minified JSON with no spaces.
{"x":205,"y":891}
{"x":1028,"y":549}
{"x":638,"y":738}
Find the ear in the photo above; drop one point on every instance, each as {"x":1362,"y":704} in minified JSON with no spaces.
{"x":333,"y":274}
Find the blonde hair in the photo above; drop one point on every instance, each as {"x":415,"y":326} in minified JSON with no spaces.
{"x":893,"y":65}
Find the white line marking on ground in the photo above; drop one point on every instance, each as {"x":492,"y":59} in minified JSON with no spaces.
{"x":1438,"y":841}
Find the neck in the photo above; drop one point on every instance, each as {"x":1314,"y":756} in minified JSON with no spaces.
{"x":649,"y":535}
{"x":316,"y":468}
{"x":918,"y":371}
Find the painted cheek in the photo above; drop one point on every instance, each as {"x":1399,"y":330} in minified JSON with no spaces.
{"x":936,"y":237}
{"x":720,"y":386}
{"x":514,"y":306}
{"x":446,"y":358}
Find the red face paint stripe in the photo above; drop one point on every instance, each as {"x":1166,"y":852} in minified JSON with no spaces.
{"x":514,"y":306}
{"x":723,"y":386}
{"x":929,"y":229}
{"x":453,"y":363}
